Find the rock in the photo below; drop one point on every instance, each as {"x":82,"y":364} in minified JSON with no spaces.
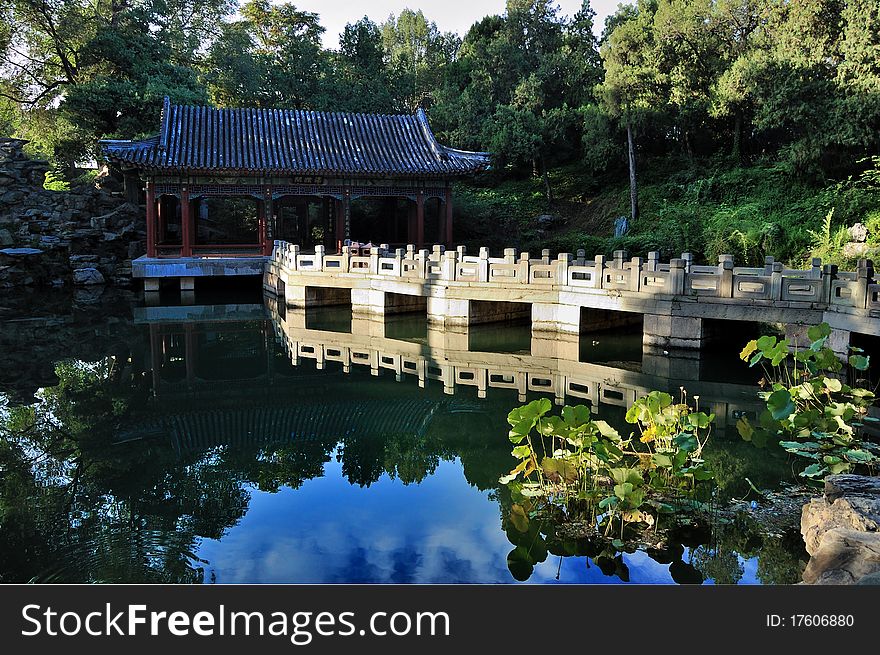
{"x":851,"y":485}
{"x":844,"y":557}
{"x":20,"y":252}
{"x":88,"y":295}
{"x":858,"y":232}
{"x":871,"y":578}
{"x":78,"y":259}
{"x":87,"y":276}
{"x":11,"y":197}
{"x":548,"y":220}
{"x":841,"y":530}
{"x":6,"y":238}
{"x":853,"y":250}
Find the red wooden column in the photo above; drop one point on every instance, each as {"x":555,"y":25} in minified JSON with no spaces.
{"x":151,"y":219}
{"x":411,"y":223}
{"x":185,"y":223}
{"x":420,"y":218}
{"x":194,"y":215}
{"x":269,"y":222}
{"x":448,"y":222}
{"x":160,"y":219}
{"x":339,"y":231}
{"x":346,"y":213}
{"x":261,"y":223}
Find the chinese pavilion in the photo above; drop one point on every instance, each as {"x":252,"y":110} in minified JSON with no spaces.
{"x":226,"y":182}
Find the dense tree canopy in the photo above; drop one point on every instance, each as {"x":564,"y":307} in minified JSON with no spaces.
{"x":796,"y":82}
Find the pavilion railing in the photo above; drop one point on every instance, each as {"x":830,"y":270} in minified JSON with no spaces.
{"x":680,"y":277}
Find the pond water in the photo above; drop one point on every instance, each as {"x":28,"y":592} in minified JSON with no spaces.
{"x":235,"y":443}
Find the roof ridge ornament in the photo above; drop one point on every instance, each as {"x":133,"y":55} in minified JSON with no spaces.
{"x":422,"y":118}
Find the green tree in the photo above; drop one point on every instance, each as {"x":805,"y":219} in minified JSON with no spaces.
{"x":271,"y":57}
{"x":631,"y":87}
{"x":361,"y":80}
{"x":417,"y":53}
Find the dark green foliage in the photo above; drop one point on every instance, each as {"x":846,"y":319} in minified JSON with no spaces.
{"x":751,"y":119}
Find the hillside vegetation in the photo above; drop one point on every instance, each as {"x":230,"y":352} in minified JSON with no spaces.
{"x":707,"y":208}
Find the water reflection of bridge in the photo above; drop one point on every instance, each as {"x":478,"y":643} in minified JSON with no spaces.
{"x":565,"y":380}
{"x":185,"y":342}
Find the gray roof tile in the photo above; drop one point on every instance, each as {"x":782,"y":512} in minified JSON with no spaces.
{"x":286,"y":141}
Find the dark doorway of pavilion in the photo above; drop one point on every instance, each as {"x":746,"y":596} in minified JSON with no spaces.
{"x":232,"y":221}
{"x":305,"y":220}
{"x":395,"y":221}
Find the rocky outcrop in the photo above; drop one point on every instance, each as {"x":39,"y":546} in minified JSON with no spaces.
{"x":86,"y":227}
{"x":841,"y":531}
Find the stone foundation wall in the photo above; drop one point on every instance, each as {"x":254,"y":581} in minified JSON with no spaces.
{"x":85,"y":236}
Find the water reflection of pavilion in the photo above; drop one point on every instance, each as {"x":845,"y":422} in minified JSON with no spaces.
{"x":221,"y":378}
{"x":247,"y":354}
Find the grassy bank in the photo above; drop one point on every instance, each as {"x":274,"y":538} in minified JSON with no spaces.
{"x":706,"y":208}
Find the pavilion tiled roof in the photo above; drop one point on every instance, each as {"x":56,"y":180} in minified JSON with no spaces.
{"x":297,"y":142}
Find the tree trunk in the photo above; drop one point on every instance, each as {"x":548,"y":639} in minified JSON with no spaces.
{"x":548,"y":191}
{"x":633,"y":192}
{"x":737,"y":136}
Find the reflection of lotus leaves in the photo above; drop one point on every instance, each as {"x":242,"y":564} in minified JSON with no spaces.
{"x":613,"y":566}
{"x":684,"y":573}
{"x":520,"y":564}
{"x":667,"y":555}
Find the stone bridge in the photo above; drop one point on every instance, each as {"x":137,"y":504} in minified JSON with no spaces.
{"x":679,"y":304}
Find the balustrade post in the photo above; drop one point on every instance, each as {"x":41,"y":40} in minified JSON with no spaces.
{"x":581,"y":258}
{"x":374,"y":261}
{"x":398,"y":258}
{"x":599,"y":264}
{"x":619,"y":257}
{"x":319,"y":257}
{"x":483,"y":265}
{"x":864,"y":278}
{"x":462,"y":251}
{"x":345,"y":261}
{"x":768,"y":265}
{"x":448,"y":265}
{"x":776,"y":281}
{"x":725,"y":272}
{"x":829,"y":274}
{"x":510,"y":255}
{"x":563,"y":260}
{"x":523,"y":273}
{"x":675,"y":281}
{"x":653,"y":264}
{"x":816,"y":268}
{"x":688,"y":258}
{"x":422,"y":259}
{"x":292,"y":254}
{"x":545,"y":256}
{"x":635,"y":274}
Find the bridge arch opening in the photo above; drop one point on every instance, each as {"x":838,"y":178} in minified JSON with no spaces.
{"x":625,"y":349}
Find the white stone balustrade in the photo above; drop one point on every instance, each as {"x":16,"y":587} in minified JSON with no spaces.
{"x":557,"y":288}
{"x":679,"y":277}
